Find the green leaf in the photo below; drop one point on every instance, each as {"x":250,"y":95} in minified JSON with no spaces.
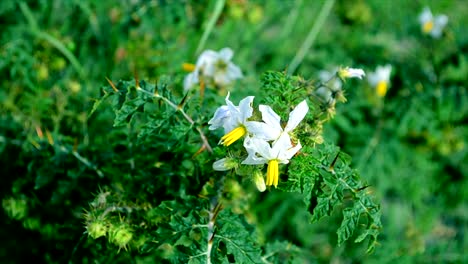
{"x":238,"y":238}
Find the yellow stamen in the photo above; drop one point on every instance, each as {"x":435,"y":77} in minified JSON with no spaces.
{"x":188,"y":67}
{"x":428,"y":26}
{"x":272,"y":173}
{"x":381,"y":88}
{"x":232,"y":136}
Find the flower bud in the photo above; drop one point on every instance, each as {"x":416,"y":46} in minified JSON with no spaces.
{"x":259,"y":181}
{"x":121,"y":235}
{"x":224,"y":164}
{"x":96,"y":229}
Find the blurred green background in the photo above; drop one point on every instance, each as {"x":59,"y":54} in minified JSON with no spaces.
{"x":410,"y":146}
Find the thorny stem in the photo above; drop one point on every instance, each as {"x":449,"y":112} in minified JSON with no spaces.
{"x":215,"y":208}
{"x":184,"y":114}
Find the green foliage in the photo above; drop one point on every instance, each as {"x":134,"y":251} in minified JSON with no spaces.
{"x":122,"y":172}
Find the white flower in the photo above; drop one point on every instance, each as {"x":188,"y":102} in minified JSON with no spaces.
{"x":351,"y":73}
{"x":380,"y":79}
{"x":214,"y":66}
{"x":260,"y":152}
{"x":233,"y":119}
{"x":271,"y":129}
{"x":431,"y":25}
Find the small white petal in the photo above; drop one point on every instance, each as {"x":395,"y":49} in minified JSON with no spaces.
{"x":234,"y":72}
{"x":280,"y":146}
{"x":356,"y":73}
{"x":245,"y":108}
{"x":190,"y":80}
{"x":296,"y":116}
{"x":291,"y":152}
{"x":261,"y":130}
{"x":219,"y":117}
{"x":226,"y":54}
{"x":425,"y":16}
{"x":254,"y":146}
{"x":271,"y":118}
{"x":382,"y":73}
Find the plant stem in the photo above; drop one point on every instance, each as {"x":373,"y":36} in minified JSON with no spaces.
{"x":211,"y":23}
{"x":186,"y":116}
{"x":309,"y":41}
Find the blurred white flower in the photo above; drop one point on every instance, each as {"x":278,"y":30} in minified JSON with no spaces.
{"x":431,"y":25}
{"x":380,"y":79}
{"x":214,"y":67}
{"x":345,"y":73}
{"x":233,"y":119}
{"x":260,"y":152}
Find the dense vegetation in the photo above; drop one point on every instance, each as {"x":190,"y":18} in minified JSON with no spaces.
{"x":109,"y":153}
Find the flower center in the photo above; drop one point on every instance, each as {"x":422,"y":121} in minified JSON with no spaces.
{"x":221,"y":66}
{"x":188,"y":67}
{"x":381,"y":88}
{"x":232,"y":136}
{"x":428,"y":26}
{"x":272,"y":173}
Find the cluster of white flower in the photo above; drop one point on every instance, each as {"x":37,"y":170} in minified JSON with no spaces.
{"x":265,"y":142}
{"x":215,"y":67}
{"x":431,"y":25}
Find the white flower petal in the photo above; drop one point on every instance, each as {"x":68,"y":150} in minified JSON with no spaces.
{"x":441,"y":20}
{"x":190,"y":80}
{"x":259,"y":146}
{"x":382,"y":73}
{"x":245,"y":108}
{"x":253,"y":145}
{"x":425,"y":16}
{"x":296,"y":116}
{"x":271,"y":118}
{"x":226,"y":54}
{"x":356,"y":73}
{"x":281,"y":145}
{"x":291,"y":152}
{"x":234,"y":72}
{"x":219,"y":117}
{"x":261,"y":130}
